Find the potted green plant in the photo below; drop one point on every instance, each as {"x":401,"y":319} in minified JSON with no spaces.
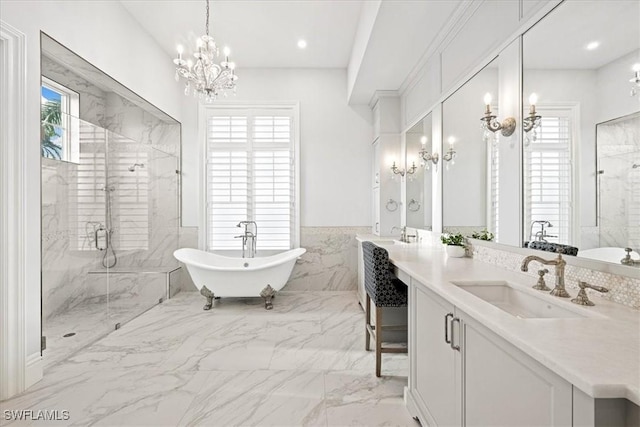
{"x":483,"y":235}
{"x":454,"y":244}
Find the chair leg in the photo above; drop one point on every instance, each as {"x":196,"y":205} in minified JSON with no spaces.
{"x":378,"y":341}
{"x":367,"y":339}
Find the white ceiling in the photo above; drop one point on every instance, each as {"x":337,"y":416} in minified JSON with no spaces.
{"x":558,"y":41}
{"x":261,"y":34}
{"x":403,"y":31}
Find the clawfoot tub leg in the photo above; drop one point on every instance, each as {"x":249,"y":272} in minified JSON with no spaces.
{"x":268,"y":293}
{"x":205,"y":292}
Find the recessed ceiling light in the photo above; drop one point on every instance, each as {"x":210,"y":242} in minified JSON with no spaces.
{"x":302,"y":44}
{"x":593,"y":45}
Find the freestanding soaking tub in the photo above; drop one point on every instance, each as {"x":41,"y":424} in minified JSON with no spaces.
{"x":222,"y":276}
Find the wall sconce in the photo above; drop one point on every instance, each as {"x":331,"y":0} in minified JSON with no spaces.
{"x":450,"y":155}
{"x":402,"y":172}
{"x":507,"y":127}
{"x":635,"y":80}
{"x":427,"y":157}
{"x":532,"y":120}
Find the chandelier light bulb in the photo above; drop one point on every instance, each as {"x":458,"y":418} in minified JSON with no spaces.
{"x":487,"y":99}
{"x":180,"y":49}
{"x":423,"y":140}
{"x":636,"y":67}
{"x":226,"y":51}
{"x":451,"y":139}
{"x":533,"y":99}
{"x":302,"y":44}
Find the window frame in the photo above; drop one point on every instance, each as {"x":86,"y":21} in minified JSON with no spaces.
{"x":70,"y":111}
{"x":206,"y":110}
{"x":570,"y":110}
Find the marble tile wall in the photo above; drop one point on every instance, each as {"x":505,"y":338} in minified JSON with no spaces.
{"x":145,"y":200}
{"x":188,"y":238}
{"x":92,"y":100}
{"x":619,"y":183}
{"x":330,"y":263}
{"x":622,"y":290}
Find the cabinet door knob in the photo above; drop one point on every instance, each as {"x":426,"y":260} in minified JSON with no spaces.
{"x":454,"y":346}
{"x":446,"y":328}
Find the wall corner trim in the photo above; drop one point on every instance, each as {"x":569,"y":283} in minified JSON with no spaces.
{"x":13,"y":221}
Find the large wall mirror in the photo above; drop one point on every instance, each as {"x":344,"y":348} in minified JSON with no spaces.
{"x":469,"y":177}
{"x":581,"y":142}
{"x":418,"y":143}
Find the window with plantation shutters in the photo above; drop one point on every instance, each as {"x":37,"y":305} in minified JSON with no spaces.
{"x":250,"y":176}
{"x":548,"y":176}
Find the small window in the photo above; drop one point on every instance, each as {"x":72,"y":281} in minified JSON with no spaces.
{"x":60,"y":108}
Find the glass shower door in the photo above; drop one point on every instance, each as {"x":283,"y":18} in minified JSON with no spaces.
{"x":74,"y":283}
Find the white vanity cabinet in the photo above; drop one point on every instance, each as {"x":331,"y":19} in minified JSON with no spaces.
{"x":464,"y":374}
{"x":434,"y":373}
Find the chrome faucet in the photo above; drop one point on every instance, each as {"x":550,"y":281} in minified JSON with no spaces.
{"x":627,"y":260}
{"x":559,"y":263}
{"x":248,"y":238}
{"x":404,"y":237}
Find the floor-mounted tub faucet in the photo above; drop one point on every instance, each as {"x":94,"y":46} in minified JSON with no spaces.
{"x":248,"y":238}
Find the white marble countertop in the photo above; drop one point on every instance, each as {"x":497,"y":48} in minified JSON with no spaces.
{"x":600,"y":354}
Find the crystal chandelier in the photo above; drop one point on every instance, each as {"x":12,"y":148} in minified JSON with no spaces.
{"x":205,"y":78}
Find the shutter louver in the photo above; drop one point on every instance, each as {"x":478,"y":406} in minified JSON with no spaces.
{"x":549,"y":170}
{"x":250,"y":176}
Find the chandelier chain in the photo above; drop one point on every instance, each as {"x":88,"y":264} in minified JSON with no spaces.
{"x":207,"y":24}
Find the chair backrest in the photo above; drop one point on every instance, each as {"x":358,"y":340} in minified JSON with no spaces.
{"x":377,"y":275}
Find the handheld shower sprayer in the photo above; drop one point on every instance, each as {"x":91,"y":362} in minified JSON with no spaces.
{"x":133,"y":167}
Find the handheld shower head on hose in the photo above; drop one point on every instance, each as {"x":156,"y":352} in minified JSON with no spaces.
{"x":133,"y":167}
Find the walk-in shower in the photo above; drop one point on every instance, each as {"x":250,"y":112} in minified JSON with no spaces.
{"x":110,"y":226}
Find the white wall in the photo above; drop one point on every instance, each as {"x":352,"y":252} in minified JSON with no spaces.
{"x":613,"y":86}
{"x":335,"y":145}
{"x":464,"y":189}
{"x":108,"y":37}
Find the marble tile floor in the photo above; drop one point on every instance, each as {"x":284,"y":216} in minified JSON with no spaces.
{"x":302,"y":363}
{"x":89,"y":321}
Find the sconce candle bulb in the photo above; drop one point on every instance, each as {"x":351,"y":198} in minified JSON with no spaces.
{"x":532,"y":121}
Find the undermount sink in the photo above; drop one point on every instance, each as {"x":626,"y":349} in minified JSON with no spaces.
{"x":517,"y":302}
{"x":388,"y":242}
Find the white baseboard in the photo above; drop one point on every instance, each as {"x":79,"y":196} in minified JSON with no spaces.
{"x":34,"y":370}
{"x":409,"y":402}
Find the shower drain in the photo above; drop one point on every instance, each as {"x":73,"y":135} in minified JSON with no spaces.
{"x":70,"y":334}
